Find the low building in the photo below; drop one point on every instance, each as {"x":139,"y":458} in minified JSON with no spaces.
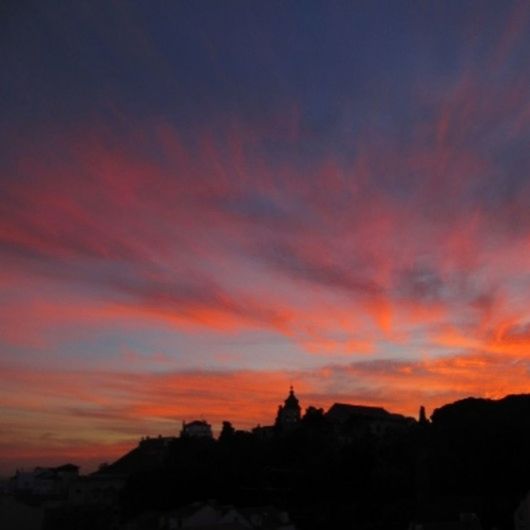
{"x":196,"y":429}
{"x":156,"y":450}
{"x":44,"y":481}
{"x":263,"y":432}
{"x":355,"y":420}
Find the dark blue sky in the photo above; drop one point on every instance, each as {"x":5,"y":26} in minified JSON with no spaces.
{"x":191,"y":59}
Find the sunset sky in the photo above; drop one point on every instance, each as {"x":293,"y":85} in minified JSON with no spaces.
{"x":203,"y":202}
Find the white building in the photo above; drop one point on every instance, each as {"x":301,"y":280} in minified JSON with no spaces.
{"x":44,"y":481}
{"x":196,"y":429}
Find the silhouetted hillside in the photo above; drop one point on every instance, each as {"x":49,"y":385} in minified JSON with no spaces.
{"x":352,"y":465}
{"x":478,"y":413}
{"x":344,"y":466}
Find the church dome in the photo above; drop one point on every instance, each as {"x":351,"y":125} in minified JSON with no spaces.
{"x":291,"y":401}
{"x":289,"y":413}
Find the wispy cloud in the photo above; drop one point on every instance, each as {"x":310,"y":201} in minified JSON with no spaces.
{"x":372,"y":223}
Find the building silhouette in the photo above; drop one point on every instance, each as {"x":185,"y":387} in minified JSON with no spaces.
{"x":196,"y":429}
{"x":289,"y":413}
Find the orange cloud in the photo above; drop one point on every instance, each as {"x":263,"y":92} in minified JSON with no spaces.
{"x":47,"y":410}
{"x":383,"y":251}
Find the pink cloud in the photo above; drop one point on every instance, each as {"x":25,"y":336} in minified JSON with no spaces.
{"x":349,"y":253}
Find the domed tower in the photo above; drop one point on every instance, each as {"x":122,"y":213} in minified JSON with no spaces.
{"x":289,"y":414}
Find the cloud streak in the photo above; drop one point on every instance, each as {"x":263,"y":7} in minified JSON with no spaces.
{"x":375,"y":240}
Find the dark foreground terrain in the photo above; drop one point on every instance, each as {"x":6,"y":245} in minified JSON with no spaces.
{"x":470,"y":463}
